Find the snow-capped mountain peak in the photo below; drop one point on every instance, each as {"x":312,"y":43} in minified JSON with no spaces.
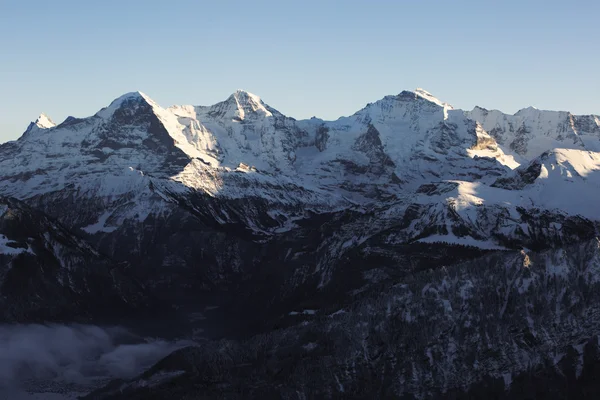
{"x":529,"y":112}
{"x":247,"y":103}
{"x":126,"y":99}
{"x":243,"y":96}
{"x":429,"y":97}
{"x":242,"y":148}
{"x":238,"y":107}
{"x":530,"y":131}
{"x":197,"y":202}
{"x":42,"y":122}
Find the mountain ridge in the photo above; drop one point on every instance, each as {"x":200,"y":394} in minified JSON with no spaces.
{"x":242,"y":145}
{"x":401,"y":210}
{"x":420,"y":92}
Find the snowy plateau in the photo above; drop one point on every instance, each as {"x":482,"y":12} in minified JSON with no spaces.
{"x":410,"y":250}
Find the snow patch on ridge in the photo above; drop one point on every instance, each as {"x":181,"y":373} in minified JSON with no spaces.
{"x":5,"y":247}
{"x":100,"y":226}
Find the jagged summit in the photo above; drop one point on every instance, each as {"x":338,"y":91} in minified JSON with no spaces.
{"x":480,"y":109}
{"x":528,"y":110}
{"x":248,"y":102}
{"x":242,"y":95}
{"x":243,"y":128}
{"x":241,"y":147}
{"x":137,"y":95}
{"x":41,"y":122}
{"x":131,"y":97}
{"x":419,"y":93}
{"x":237,"y":107}
{"x":530,"y":131}
{"x":429,"y":97}
{"x":134,"y":95}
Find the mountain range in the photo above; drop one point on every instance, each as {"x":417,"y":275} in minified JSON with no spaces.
{"x":411,"y":248}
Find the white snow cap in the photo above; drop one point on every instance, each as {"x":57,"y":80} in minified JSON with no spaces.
{"x":130,"y":96}
{"x":242,"y":92}
{"x":116,"y":103}
{"x":243,"y":96}
{"x":429,"y":97}
{"x":44,"y":122}
{"x":41,"y":123}
{"x":246,"y":101}
{"x":527,"y":111}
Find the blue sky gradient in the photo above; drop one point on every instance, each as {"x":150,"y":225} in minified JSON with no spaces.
{"x":305,"y":58}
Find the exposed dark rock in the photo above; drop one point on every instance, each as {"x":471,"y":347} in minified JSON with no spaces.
{"x":53,"y":275}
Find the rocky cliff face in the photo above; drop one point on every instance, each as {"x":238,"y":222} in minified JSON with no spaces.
{"x":530,"y":131}
{"x":507,"y":325}
{"x":46,"y":273}
{"x":295,"y":228}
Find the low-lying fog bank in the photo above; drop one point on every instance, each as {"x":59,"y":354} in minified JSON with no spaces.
{"x":61,"y":361}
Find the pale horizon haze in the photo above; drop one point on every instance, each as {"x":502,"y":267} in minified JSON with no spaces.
{"x":310,"y":58}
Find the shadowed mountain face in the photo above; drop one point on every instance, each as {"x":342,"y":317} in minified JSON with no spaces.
{"x":47,"y":273}
{"x":507,"y":325}
{"x":332,"y":241}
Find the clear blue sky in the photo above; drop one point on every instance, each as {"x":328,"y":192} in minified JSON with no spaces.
{"x":305,"y":58}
